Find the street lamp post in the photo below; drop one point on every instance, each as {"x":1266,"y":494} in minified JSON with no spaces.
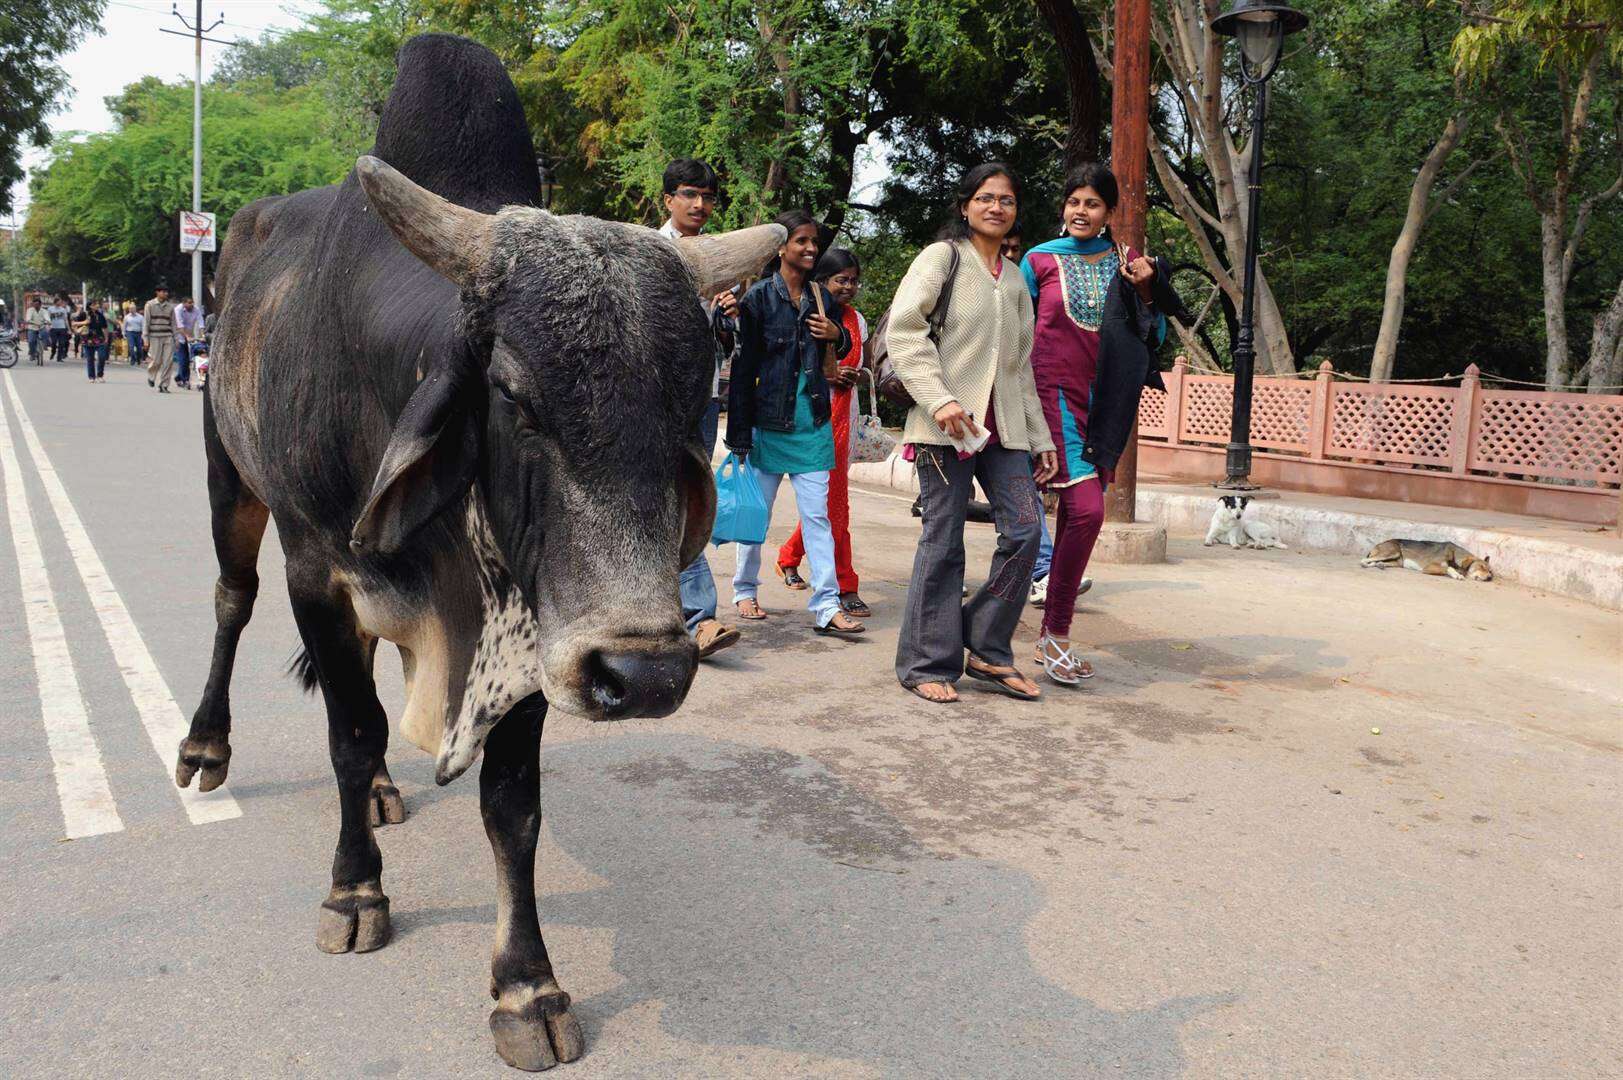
{"x":1261,"y":28}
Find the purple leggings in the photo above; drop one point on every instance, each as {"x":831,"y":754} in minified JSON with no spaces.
{"x":1076,"y":527}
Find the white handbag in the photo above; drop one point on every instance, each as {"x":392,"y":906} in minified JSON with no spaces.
{"x":870,"y":442}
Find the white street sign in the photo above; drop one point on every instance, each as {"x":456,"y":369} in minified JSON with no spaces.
{"x":196,"y":231}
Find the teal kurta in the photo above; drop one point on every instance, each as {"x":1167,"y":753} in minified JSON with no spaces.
{"x":808,"y":448}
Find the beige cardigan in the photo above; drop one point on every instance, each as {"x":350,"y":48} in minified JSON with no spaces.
{"x":985,"y":344}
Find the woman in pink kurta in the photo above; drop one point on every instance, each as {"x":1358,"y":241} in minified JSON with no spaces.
{"x":1070,"y":279}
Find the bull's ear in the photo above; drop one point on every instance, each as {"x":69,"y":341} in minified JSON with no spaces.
{"x":699,"y":504}
{"x":429,"y":464}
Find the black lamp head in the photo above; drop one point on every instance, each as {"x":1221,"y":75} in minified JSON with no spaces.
{"x":1261,"y":28}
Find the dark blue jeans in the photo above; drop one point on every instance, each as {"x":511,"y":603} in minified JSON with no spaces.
{"x":183,"y":362}
{"x":133,"y":339}
{"x":96,"y":359}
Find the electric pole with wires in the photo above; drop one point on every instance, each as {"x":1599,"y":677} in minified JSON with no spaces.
{"x":197,"y":31}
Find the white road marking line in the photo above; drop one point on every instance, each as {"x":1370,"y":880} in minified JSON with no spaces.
{"x":81,"y":782}
{"x":160,"y":715}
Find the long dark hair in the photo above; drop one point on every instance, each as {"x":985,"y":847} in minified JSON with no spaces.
{"x":835,"y":261}
{"x":791,"y":220}
{"x":1095,"y":175}
{"x":968,"y":185}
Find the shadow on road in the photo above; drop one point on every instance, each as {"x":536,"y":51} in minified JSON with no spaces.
{"x":766,"y":902}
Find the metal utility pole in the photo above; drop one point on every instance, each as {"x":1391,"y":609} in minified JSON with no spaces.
{"x":1129,"y":160}
{"x":197,"y":31}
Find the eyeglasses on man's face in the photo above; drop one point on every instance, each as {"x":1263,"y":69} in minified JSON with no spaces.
{"x":691,"y":194}
{"x":1008,"y":202}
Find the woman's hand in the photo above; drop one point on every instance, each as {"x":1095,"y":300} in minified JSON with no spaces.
{"x":822,"y":328}
{"x":958,"y":424}
{"x":846,"y":377}
{"x":1047,"y":466}
{"x":1141,"y":272}
{"x":727,"y":303}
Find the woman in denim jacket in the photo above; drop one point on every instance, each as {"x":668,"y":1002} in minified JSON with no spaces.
{"x":778,"y":413}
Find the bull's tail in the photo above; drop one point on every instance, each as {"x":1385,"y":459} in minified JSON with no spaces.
{"x":302,"y":668}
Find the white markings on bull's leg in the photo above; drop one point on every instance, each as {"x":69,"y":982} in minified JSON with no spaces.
{"x":81,"y":782}
{"x":160,"y":715}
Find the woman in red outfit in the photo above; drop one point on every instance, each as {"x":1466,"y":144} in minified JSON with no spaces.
{"x":841,"y":274}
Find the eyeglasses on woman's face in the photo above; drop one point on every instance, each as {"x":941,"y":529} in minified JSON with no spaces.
{"x":849,"y":282}
{"x":1008,"y":202}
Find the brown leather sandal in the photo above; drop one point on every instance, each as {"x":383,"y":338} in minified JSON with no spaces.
{"x":1002,"y":678}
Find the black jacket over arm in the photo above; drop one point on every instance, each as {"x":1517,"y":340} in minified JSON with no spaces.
{"x":1126,"y":362}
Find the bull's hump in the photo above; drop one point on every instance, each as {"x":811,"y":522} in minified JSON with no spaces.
{"x":453,"y":124}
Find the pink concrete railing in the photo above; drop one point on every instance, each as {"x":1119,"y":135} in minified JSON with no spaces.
{"x":1466,"y":431}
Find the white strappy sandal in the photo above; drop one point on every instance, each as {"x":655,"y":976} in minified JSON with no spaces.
{"x":1061,"y":664}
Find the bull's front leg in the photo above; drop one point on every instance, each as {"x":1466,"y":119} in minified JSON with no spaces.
{"x":355,"y":915}
{"x":532,"y":1024}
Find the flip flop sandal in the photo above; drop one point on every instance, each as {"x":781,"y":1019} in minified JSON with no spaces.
{"x":831,"y":629}
{"x":757,"y":615}
{"x":854,"y":607}
{"x":998,"y":677}
{"x":914,"y":690}
{"x":792,"y":578}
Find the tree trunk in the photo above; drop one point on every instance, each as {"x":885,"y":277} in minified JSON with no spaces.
{"x":777,"y":173}
{"x":1606,"y":347}
{"x":1082,"y":81}
{"x":1397,"y":266}
{"x":1553,"y":242}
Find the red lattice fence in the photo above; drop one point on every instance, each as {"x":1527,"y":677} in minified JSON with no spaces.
{"x":1569,"y":446}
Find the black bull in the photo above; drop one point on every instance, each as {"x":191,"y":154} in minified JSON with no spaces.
{"x":470,"y":420}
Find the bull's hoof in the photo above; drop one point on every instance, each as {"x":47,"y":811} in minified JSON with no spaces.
{"x":538,"y":1034}
{"x":386,"y":805}
{"x":354,"y":919}
{"x":209,"y":755}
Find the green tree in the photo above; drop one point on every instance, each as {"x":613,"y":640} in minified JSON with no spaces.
{"x":104,"y":207}
{"x":1565,"y":139}
{"x":33,"y":35}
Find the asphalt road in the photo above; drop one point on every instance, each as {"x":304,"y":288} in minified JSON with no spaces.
{"x":1205,"y":864}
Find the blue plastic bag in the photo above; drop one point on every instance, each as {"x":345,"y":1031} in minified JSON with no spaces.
{"x":742,"y":515}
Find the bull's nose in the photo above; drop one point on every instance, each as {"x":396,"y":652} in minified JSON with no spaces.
{"x":640,"y":683}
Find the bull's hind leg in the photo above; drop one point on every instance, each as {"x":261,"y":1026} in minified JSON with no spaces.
{"x":533,"y":1026}
{"x":238,"y":520}
{"x":355,"y":915}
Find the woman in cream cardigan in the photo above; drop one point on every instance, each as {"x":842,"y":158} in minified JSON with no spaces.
{"x":976,"y":381}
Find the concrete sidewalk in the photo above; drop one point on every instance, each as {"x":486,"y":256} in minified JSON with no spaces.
{"x":1578,"y":561}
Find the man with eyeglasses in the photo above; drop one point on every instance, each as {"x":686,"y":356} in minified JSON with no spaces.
{"x":690,"y":199}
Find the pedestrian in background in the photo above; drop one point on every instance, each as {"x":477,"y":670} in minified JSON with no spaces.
{"x":96,"y":331}
{"x":974,"y":381}
{"x":778,"y":411}
{"x":158,"y":317}
{"x":1071,"y":281}
{"x":840,"y":273}
{"x":188,"y":331}
{"x":38,"y":325}
{"x":134,"y":324}
{"x":58,"y":313}
{"x":690,"y":198}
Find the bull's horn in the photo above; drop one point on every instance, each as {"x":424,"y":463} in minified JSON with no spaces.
{"x":448,"y":237}
{"x":728,"y":258}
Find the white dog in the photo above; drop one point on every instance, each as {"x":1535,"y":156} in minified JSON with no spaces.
{"x":1230,"y":526}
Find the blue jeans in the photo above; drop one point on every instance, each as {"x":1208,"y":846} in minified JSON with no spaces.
{"x":811,"y":493}
{"x":96,"y":359}
{"x":1045,"y":554}
{"x":133,"y":339}
{"x":697,"y":585}
{"x":34,"y":338}
{"x":183,"y":358}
